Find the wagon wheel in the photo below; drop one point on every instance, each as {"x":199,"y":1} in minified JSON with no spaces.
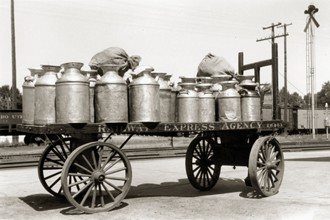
{"x":201,"y":167}
{"x":51,"y":164}
{"x":266,"y":166}
{"x":104,"y":173}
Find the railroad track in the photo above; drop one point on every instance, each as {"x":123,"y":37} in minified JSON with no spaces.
{"x":26,"y":160}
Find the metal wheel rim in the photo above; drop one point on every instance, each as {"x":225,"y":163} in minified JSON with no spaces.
{"x":266,"y":166}
{"x":54,"y":157}
{"x":202,"y":170}
{"x":94,"y":194}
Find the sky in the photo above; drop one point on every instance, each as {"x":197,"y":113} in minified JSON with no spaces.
{"x":172,"y":36}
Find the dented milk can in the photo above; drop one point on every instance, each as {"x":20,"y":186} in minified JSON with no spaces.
{"x":72,"y":95}
{"x":229,"y":102}
{"x":111,"y":106}
{"x":206,"y":108}
{"x":164,"y":97}
{"x":44,"y":96}
{"x":144,"y":102}
{"x":91,"y":76}
{"x":250,"y":101}
{"x":188,"y":103}
{"x":28,"y":96}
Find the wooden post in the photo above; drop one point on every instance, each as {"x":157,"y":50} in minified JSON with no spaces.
{"x":240,"y":63}
{"x":276,"y":112}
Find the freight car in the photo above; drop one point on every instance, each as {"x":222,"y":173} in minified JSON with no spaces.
{"x":299,"y":119}
{"x":8,"y":121}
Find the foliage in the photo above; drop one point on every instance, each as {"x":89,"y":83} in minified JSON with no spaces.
{"x":5,"y":98}
{"x":323,"y":96}
{"x":294,"y":99}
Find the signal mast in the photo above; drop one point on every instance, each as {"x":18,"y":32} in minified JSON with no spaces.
{"x":310,"y":56}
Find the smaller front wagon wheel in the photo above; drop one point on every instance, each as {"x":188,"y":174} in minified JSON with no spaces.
{"x":104,"y":173}
{"x":266,"y":166}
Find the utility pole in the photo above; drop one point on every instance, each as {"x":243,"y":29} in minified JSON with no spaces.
{"x":285,"y":73}
{"x":13,"y":57}
{"x":273,"y":37}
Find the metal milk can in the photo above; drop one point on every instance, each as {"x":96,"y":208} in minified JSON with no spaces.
{"x":144,"y":98}
{"x":28,"y":100}
{"x":91,"y":76}
{"x":72,"y":95}
{"x":250,"y":101}
{"x":28,"y":96}
{"x":229,"y":102}
{"x":204,"y":80}
{"x":188,"y":104}
{"x":164,"y":97}
{"x":216,"y":81}
{"x":111,"y":106}
{"x":44,"y":96}
{"x":206,"y":108}
{"x":173,"y":104}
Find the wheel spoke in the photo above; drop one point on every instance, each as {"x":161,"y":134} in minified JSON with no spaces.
{"x":53,"y":184}
{"x":94,"y":196}
{"x":115,"y":171}
{"x":78,"y":182}
{"x":77,"y":186}
{"x":194,"y":170}
{"x":82,"y":189}
{"x":86,"y":195}
{"x":109,"y":158}
{"x":273,"y":156}
{"x":197,"y":158}
{"x":63,"y":150}
{"x":54,"y":161}
{"x":93,"y":158}
{"x":195,"y":150}
{"x":198,"y":172}
{"x":100,"y":158}
{"x":58,"y":154}
{"x":109,"y":193}
{"x":79,"y":174}
{"x":88,"y":163}
{"x":101,"y":195}
{"x":111,"y":165}
{"x":275,"y":177}
{"x":116,"y":178}
{"x":84,"y":168}
{"x":113,"y":186}
{"x":54,"y":174}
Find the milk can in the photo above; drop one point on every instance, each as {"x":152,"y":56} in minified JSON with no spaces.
{"x":28,"y":100}
{"x":229,"y":102}
{"x":91,"y":76}
{"x":216,"y":81}
{"x":188,"y":103}
{"x":206,"y":108}
{"x":44,"y":96}
{"x":28,"y":96}
{"x":173,"y":104}
{"x":250,"y":101}
{"x":111,"y":106}
{"x":164,"y":97}
{"x":204,"y":80}
{"x":144,"y":101}
{"x":72,"y":95}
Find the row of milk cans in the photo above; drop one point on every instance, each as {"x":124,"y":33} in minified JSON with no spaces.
{"x":218,"y":98}
{"x":79,"y":97}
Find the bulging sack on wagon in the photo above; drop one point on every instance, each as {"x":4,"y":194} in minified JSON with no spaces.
{"x":115,"y":56}
{"x":214,"y":65}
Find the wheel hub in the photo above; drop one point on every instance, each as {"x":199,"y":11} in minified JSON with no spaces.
{"x":98,"y":176}
{"x":270,"y":166}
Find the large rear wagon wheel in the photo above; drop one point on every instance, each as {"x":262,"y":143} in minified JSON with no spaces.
{"x":51,"y":163}
{"x":104,"y":173}
{"x":202,"y":168}
{"x":266,"y":166}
